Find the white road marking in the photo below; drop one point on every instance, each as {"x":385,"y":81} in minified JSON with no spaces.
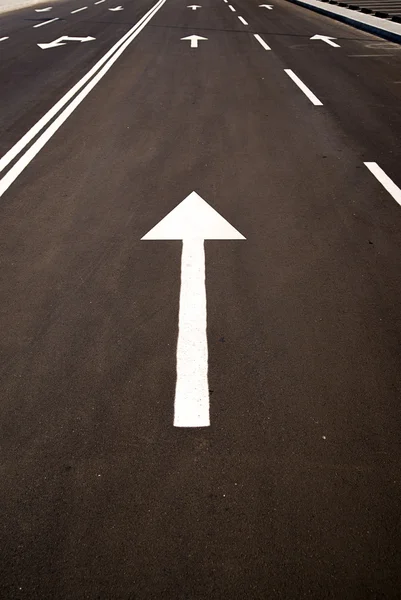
{"x":193,"y":221}
{"x":116,"y":8}
{"x":268,"y":6}
{"x":61,"y":41}
{"x":194,"y":6}
{"x":4,"y":38}
{"x":103,"y":66}
{"x":100,"y":2}
{"x":46,"y":22}
{"x":43,"y":9}
{"x":231,"y":8}
{"x":327,"y":39}
{"x":303,"y":87}
{"x":385,"y":180}
{"x":243,"y":20}
{"x":261,"y":41}
{"x":79,"y":10}
{"x":226,"y":1}
{"x":194,"y":39}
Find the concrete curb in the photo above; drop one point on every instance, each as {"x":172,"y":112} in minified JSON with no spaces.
{"x":389,"y":30}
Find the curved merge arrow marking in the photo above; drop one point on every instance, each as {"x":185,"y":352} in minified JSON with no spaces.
{"x":193,"y":221}
{"x":61,"y":41}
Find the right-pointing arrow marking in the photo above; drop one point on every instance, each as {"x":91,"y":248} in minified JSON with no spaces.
{"x":193,"y":221}
{"x":327,"y":39}
{"x":194,"y":40}
{"x":61,"y":41}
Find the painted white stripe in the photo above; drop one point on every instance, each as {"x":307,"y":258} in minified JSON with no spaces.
{"x":304,"y":88}
{"x":231,"y":8}
{"x":4,"y":38}
{"x":385,"y":180}
{"x":79,"y":10}
{"x":191,"y":406}
{"x":243,"y":20}
{"x":28,"y":137}
{"x":46,"y":22}
{"x":100,"y":2}
{"x":261,"y":41}
{"x":20,"y":165}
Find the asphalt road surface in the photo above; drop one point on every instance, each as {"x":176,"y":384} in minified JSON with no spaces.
{"x":278,"y":318}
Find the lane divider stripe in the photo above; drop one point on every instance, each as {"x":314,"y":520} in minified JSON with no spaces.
{"x":385,"y":180}
{"x":304,"y":88}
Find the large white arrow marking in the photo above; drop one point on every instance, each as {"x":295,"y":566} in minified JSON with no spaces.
{"x":193,"y":221}
{"x":43,"y":9}
{"x":194,"y":6}
{"x":194,"y":40}
{"x":327,"y":39}
{"x":116,"y":8}
{"x":268,"y":6}
{"x":61,"y":41}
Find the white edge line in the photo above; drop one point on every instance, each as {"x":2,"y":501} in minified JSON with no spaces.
{"x":20,"y":165}
{"x":261,"y":41}
{"x":243,"y":20}
{"x":78,"y":10}
{"x":46,"y":22}
{"x":385,"y":180}
{"x":304,"y":88}
{"x":29,"y":135}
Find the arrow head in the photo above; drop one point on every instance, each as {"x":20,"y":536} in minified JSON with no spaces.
{"x":87,"y":39}
{"x":322,"y":37}
{"x":194,"y":37}
{"x":193,"y":218}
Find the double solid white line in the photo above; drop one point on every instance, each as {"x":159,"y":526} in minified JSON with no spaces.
{"x":88,"y":82}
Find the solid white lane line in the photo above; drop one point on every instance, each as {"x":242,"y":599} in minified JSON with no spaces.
{"x":26,"y":158}
{"x":304,"y":88}
{"x":231,"y":8}
{"x":78,"y":10}
{"x":243,"y":20}
{"x":46,"y":22}
{"x":29,"y":135}
{"x":4,"y":38}
{"x":385,"y":180}
{"x":261,"y":41}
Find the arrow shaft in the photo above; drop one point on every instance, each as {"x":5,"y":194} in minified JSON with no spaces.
{"x":194,"y":43}
{"x":191,"y":407}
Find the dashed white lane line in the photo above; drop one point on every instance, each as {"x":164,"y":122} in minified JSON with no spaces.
{"x":243,"y":20}
{"x":46,"y":22}
{"x":3,"y":38}
{"x":304,"y":88}
{"x":100,"y":2}
{"x":78,"y":10}
{"x":385,"y":180}
{"x":261,"y":41}
{"x":231,"y":8}
{"x":101,"y":68}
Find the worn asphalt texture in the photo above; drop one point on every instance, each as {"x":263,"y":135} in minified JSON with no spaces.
{"x":295,"y":489}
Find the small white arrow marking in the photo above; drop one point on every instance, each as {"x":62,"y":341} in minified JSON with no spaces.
{"x":193,"y":221}
{"x":194,"y":40}
{"x":268,"y":6}
{"x":116,"y":8}
{"x":61,"y":41}
{"x":327,"y":39}
{"x":194,"y":6}
{"x":43,"y":9}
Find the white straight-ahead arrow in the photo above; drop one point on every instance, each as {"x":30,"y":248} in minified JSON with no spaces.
{"x":268,"y":6}
{"x":193,"y":221}
{"x":194,"y":6}
{"x":61,"y":41}
{"x":327,"y":39}
{"x":194,"y":40}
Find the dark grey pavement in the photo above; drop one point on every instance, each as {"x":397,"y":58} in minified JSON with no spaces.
{"x":294,"y":490}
